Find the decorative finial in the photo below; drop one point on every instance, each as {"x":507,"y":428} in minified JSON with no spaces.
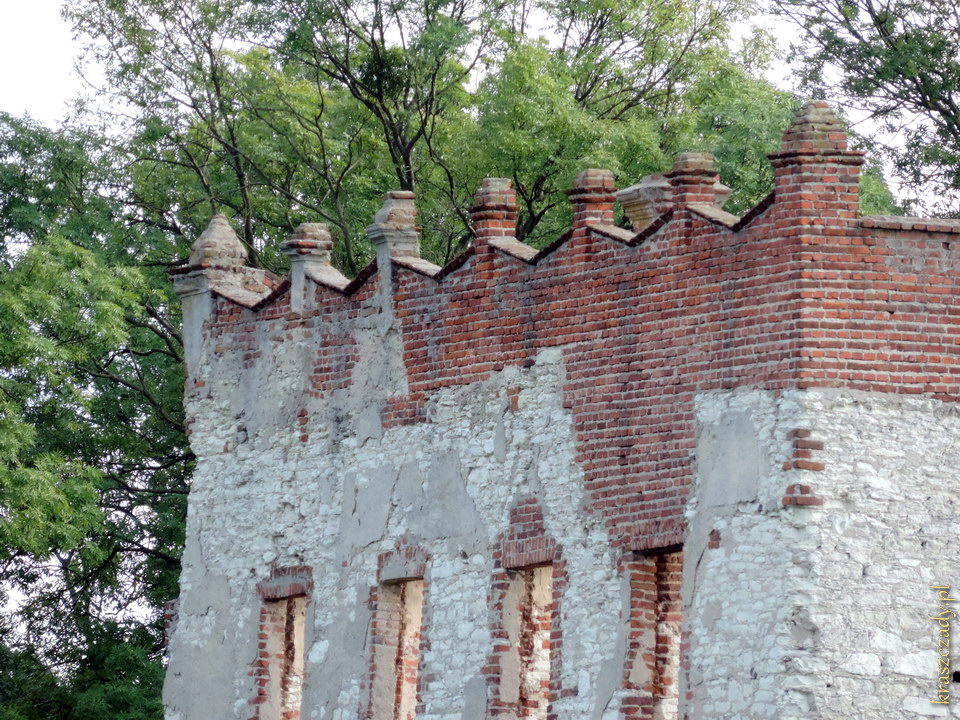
{"x":593,"y":180}
{"x":399,"y":209}
{"x":309,"y":241}
{"x":592,"y":199}
{"x":495,"y":192}
{"x":218,"y":245}
{"x":394,"y":225}
{"x":815,"y":128}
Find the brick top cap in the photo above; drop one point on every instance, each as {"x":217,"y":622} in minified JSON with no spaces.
{"x":398,"y":210}
{"x":495,"y":192}
{"x":693,"y":163}
{"x":309,"y":239}
{"x":394,"y":226}
{"x":218,"y":245}
{"x":815,"y":128}
{"x":593,"y":180}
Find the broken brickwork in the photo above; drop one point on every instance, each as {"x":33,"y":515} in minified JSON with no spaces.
{"x":699,"y":468}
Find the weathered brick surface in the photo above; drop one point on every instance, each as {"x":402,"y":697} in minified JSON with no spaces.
{"x":654,"y":342}
{"x":805,"y":295}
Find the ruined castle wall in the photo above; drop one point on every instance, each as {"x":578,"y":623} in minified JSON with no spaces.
{"x":740,"y":391}
{"x":425,"y":413}
{"x":449,"y":483}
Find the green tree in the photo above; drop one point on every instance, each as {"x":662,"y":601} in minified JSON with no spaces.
{"x":28,"y":690}
{"x":898,"y":60}
{"x":531,"y":128}
{"x":94,"y":468}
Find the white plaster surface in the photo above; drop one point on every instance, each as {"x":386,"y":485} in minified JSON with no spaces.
{"x":261,"y":497}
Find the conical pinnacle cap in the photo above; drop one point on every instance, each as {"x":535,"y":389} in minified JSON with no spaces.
{"x":218,"y":245}
{"x":816,"y":127}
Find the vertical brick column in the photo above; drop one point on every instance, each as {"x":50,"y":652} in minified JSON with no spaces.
{"x":494,"y":220}
{"x":494,"y":211}
{"x":641,"y":668}
{"x":528,"y":584}
{"x":592,"y":197}
{"x":393,"y":233}
{"x":666,"y":690}
{"x":395,"y":640}
{"x":816,"y":175}
{"x":278,"y":670}
{"x":694,"y":179}
{"x":310,"y":245}
{"x":215,"y":255}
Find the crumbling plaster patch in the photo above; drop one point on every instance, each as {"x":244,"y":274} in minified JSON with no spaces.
{"x":446,"y":484}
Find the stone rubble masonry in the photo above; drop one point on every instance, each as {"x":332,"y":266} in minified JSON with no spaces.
{"x":729,"y":443}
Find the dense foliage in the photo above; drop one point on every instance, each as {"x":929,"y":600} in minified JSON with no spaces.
{"x":277,"y":113}
{"x":94,"y":470}
{"x":897,"y":61}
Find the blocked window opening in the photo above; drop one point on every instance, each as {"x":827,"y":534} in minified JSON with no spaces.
{"x":528,"y":618}
{"x":397,"y":627}
{"x":282,"y":626}
{"x":653,"y":669}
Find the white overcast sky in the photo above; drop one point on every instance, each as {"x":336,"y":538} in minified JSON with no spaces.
{"x":36,"y":60}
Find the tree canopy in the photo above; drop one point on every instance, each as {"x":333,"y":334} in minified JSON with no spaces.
{"x":899,"y":62}
{"x":277,"y":113}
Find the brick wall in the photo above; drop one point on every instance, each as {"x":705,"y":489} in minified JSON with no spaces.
{"x":799,"y":293}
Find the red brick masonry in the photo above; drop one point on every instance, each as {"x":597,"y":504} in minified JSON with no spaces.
{"x":801,"y":292}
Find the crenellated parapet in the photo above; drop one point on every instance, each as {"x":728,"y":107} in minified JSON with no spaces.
{"x":673,"y":469}
{"x":690,"y":297}
{"x":697,"y":297}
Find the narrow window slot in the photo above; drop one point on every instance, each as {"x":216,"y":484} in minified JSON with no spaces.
{"x":528,"y":616}
{"x":282,"y":626}
{"x":397,"y":634}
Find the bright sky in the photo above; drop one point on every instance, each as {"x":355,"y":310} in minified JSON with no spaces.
{"x":36,"y":60}
{"x":37,"y":51}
